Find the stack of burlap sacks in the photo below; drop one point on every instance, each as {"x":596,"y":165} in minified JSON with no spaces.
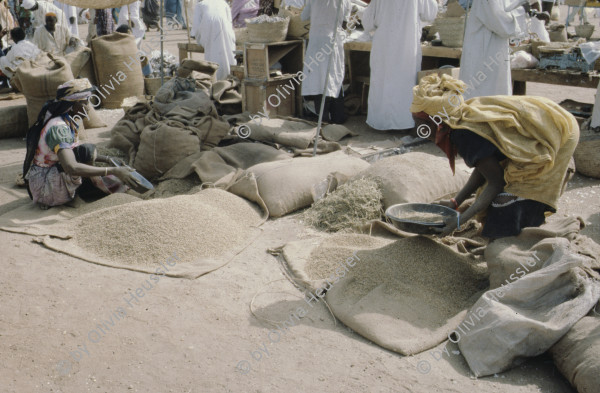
{"x":110,"y":64}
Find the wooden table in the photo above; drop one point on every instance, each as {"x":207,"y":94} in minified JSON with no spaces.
{"x":359,"y":69}
{"x":558,"y":77}
{"x":185,"y":49}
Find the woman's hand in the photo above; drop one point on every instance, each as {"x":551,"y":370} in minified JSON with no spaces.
{"x":125,"y":174}
{"x":451,"y":226}
{"x":447,"y":203}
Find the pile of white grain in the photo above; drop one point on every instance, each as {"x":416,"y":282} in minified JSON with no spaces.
{"x":203,"y":225}
{"x":264,"y":19}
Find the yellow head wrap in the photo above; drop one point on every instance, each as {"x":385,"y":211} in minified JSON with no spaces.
{"x":437,"y":95}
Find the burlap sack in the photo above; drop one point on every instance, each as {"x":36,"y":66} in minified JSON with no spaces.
{"x":205,"y":67}
{"x":39,"y":79}
{"x":527,"y":317}
{"x":404,"y":295}
{"x":163,"y":145}
{"x":298,"y":28}
{"x":577,"y":354}
{"x":513,"y":257}
{"x":81,"y":64}
{"x":282,"y":187}
{"x":116,"y":66}
{"x":416,"y":177}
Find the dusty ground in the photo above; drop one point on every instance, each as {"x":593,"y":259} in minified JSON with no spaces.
{"x":199,"y":336}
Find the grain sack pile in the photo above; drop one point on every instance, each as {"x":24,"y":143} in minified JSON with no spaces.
{"x":405,"y":295}
{"x":284,"y":186}
{"x":38,"y":80}
{"x":204,"y":230}
{"x":296,"y":134}
{"x":416,"y":177}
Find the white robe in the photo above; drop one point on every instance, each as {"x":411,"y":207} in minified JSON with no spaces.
{"x":139,"y":28}
{"x":39,"y":15}
{"x":322,"y":15}
{"x":56,"y":43}
{"x":395,"y":62}
{"x":22,"y":50}
{"x":69,"y":11}
{"x":485,"y":61}
{"x":213,"y":29}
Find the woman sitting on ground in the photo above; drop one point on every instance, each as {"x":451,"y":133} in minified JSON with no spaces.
{"x":55,"y":162}
{"x":519,"y":147}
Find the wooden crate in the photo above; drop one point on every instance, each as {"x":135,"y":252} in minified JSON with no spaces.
{"x":259,"y":58}
{"x":276,"y":95}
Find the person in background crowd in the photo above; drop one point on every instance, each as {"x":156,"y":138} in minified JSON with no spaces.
{"x":485,"y":60}
{"x":547,"y":6}
{"x":394,"y":67}
{"x":519,"y":147}
{"x":322,"y":15}
{"x":20,"y":51}
{"x":39,"y":11}
{"x":242,"y":10}
{"x":56,"y":162}
{"x":105,"y":24}
{"x":150,"y":13}
{"x":7,"y":20}
{"x":175,"y":11}
{"x":213,"y":29}
{"x":130,"y":15}
{"x":70,"y":12}
{"x":266,"y":7}
{"x":54,"y":38}
{"x":146,"y":67}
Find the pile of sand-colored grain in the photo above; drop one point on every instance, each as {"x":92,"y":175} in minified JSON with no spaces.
{"x":172,"y":187}
{"x":347,"y":208}
{"x":417,"y":265}
{"x":204,"y":225}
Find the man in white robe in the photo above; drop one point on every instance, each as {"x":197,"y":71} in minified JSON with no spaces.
{"x":20,"y":51}
{"x":322,"y":15}
{"x":39,"y":9}
{"x":213,"y":29}
{"x":53,"y":38}
{"x":138,"y":28}
{"x":70,"y":12}
{"x":485,"y":61}
{"x":395,"y":61}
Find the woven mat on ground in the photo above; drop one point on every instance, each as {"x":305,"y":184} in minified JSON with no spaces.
{"x":405,"y":295}
{"x":205,"y":231}
{"x":294,"y":133}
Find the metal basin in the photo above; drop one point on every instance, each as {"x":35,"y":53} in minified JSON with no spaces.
{"x":396,"y":212}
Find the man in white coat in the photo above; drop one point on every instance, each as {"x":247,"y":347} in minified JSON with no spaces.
{"x":132,"y":12}
{"x":322,"y":15}
{"x":485,"y":61}
{"x":213,"y":30}
{"x":395,"y":59}
{"x":39,"y":9}
{"x":70,"y":12}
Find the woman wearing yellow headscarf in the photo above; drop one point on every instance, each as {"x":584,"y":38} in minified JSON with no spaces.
{"x":519,"y":147}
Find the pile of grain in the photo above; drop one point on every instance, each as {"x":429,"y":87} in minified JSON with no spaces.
{"x":112,"y":200}
{"x":172,"y":187}
{"x":416,"y":266}
{"x":425,"y":217}
{"x":347,"y":208}
{"x":111,"y":152}
{"x":264,"y":19}
{"x":204,"y":225}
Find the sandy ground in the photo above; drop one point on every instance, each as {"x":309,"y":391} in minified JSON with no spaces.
{"x":199,"y":335}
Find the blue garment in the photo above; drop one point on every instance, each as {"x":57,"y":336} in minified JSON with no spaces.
{"x":465,"y":3}
{"x":174,"y":10}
